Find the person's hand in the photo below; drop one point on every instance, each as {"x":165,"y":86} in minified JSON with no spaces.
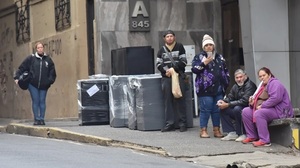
{"x":251,"y":101}
{"x":258,"y":107}
{"x":16,"y":81}
{"x":168,"y":73}
{"x":207,"y":60}
{"x":222,"y":105}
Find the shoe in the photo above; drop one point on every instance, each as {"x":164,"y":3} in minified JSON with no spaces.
{"x":248,"y":140}
{"x":183,"y":129}
{"x":36,"y":122}
{"x":260,"y":143}
{"x":42,"y":122}
{"x":240,"y":138}
{"x":168,"y":128}
{"x":231,"y":136}
{"x":203,"y":133}
{"x":217,"y":132}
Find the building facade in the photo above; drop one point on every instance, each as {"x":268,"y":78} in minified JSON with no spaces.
{"x":79,"y":35}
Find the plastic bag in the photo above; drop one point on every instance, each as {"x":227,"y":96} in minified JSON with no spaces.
{"x":176,"y":91}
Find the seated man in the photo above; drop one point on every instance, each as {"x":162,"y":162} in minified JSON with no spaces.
{"x":232,"y":106}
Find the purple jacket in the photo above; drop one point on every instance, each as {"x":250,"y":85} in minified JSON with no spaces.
{"x":278,"y":98}
{"x":210,"y":77}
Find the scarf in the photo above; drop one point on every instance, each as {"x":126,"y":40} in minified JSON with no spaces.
{"x":256,"y":98}
{"x":170,"y":47}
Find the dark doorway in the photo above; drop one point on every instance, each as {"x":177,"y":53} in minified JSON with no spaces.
{"x":232,"y":44}
{"x":90,"y":35}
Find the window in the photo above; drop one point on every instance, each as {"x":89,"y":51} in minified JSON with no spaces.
{"x":22,"y":21}
{"x":62,"y":14}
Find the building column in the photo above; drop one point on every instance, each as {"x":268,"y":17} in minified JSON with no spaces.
{"x":265,"y":37}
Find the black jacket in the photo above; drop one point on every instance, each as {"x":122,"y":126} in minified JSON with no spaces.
{"x":164,"y":62}
{"x":41,"y":68}
{"x":239,"y":95}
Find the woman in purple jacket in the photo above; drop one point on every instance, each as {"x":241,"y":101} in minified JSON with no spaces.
{"x":270,"y":101}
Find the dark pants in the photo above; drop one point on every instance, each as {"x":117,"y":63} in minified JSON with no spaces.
{"x":174,"y":105}
{"x":231,"y":119}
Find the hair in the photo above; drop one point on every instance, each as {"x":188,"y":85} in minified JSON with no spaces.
{"x":267,"y":70}
{"x":37,"y":43}
{"x":238,"y":71}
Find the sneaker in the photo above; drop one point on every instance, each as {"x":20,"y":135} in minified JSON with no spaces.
{"x":248,"y":140}
{"x":260,"y":143}
{"x":240,"y":138}
{"x":231,"y":136}
{"x":36,"y":122}
{"x":42,"y":122}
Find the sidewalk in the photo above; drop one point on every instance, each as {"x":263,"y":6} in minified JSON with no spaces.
{"x":185,"y":146}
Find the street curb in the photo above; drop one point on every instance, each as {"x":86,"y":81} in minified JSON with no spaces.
{"x":56,"y":133}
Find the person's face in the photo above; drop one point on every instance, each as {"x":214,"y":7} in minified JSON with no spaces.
{"x":264,"y":77}
{"x":40,"y":49}
{"x":240,"y":79}
{"x":169,"y":39}
{"x":209,"y":48}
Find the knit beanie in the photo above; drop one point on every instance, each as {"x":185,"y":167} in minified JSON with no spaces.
{"x":168,"y":32}
{"x":207,"y":40}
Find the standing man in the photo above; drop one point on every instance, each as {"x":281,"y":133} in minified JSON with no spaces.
{"x":232,"y":106}
{"x":172,"y":55}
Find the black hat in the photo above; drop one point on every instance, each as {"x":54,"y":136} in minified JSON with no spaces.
{"x":169,"y":32}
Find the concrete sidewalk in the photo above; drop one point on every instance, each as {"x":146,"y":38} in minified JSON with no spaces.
{"x":185,"y":146}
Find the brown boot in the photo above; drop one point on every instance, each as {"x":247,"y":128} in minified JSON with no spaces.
{"x":203,"y":133}
{"x":217,"y":132}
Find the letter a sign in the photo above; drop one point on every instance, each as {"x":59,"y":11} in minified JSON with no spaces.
{"x":139,"y":19}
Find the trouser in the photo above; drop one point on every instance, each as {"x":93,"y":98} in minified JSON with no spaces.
{"x":208,"y":107}
{"x":259,"y":128}
{"x":173,"y":105}
{"x":231,"y":119}
{"x":38,"y":98}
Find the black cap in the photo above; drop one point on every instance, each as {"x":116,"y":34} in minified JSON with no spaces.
{"x":169,"y":32}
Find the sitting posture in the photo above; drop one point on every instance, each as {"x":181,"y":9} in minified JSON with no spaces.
{"x":270,"y":101}
{"x":232,"y":106}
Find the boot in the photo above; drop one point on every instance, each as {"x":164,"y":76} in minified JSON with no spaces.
{"x":217,"y":132}
{"x":203,"y":133}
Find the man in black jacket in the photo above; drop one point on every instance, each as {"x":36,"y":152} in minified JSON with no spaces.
{"x":232,"y":106}
{"x":172,"y":55}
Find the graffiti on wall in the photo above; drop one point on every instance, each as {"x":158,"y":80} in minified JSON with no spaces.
{"x":6,"y":37}
{"x":52,"y":47}
{"x":6,"y":70}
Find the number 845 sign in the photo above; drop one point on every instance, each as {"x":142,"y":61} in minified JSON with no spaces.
{"x":139,"y":19}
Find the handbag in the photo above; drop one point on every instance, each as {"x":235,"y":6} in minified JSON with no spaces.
{"x":24,"y":80}
{"x":26,"y":76}
{"x":176,"y":91}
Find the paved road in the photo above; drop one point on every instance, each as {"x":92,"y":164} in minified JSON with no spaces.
{"x":186,"y":146}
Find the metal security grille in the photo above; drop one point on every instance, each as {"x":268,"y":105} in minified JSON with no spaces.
{"x":62,"y":14}
{"x":22,"y":21}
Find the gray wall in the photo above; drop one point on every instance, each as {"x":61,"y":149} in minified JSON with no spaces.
{"x":294,"y":27}
{"x":189,"y":19}
{"x":265,"y":37}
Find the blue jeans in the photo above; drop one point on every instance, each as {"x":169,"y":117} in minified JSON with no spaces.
{"x":208,"y":107}
{"x":38,"y":98}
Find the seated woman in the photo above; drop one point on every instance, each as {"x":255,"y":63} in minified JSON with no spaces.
{"x":270,"y":101}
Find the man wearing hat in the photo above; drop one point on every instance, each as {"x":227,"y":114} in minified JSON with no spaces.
{"x":172,"y":55}
{"x":212,"y":79}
